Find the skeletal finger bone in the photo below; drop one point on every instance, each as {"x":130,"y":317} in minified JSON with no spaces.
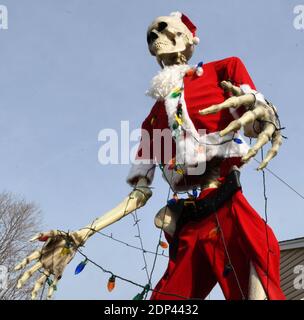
{"x":229,"y":87}
{"x":38,"y":285}
{"x":263,"y":138}
{"x":276,"y":143}
{"x":232,"y":102}
{"x":35,"y":255}
{"x":28,"y":274}
{"x":52,"y":288}
{"x":248,"y":117}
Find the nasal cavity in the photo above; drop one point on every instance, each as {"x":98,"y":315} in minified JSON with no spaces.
{"x":152,"y":36}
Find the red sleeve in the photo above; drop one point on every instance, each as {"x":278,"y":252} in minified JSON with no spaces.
{"x":144,"y":165}
{"x":233,"y":69}
{"x":145,"y":147}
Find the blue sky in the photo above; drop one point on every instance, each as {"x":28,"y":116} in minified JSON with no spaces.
{"x":71,"y":68}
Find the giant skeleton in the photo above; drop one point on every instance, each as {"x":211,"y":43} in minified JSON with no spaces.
{"x":215,"y":236}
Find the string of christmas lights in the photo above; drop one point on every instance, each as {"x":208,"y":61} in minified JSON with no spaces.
{"x":146,"y":288}
{"x":159,"y":238}
{"x":110,"y":236}
{"x":281,"y":180}
{"x":111,"y":281}
{"x":136,"y":223}
{"x":266,"y":222}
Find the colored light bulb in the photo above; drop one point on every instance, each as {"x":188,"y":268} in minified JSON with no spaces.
{"x":178,"y":120}
{"x":194,"y":193}
{"x":190,"y":72}
{"x":175,"y":125}
{"x":111,"y":283}
{"x":140,"y":296}
{"x":180,"y":171}
{"x":213,"y":233}
{"x":43,"y":238}
{"x":163,"y":244}
{"x":153,"y":120}
{"x":237,"y":140}
{"x":81,"y":266}
{"x":176,"y":93}
{"x":65,"y":251}
{"x":171,"y":202}
{"x":49,"y":282}
{"x":227,"y":270}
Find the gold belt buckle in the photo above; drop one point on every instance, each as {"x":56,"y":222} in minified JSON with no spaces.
{"x":189,"y":202}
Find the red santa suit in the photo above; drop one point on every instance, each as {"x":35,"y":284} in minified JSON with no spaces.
{"x":202,"y":255}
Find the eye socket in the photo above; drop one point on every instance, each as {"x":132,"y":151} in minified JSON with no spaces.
{"x":162,"y":26}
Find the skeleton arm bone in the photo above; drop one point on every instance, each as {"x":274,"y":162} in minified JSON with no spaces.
{"x":137,"y":198}
{"x":50,"y":259}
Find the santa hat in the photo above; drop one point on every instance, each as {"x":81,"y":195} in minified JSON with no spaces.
{"x":188,"y":23}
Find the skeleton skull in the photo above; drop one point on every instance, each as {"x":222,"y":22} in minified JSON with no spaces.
{"x":170,"y":40}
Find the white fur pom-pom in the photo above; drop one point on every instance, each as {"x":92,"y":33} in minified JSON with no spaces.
{"x":176,"y":14}
{"x":196,"y":40}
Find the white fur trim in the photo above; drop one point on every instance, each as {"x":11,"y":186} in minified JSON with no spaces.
{"x":213,"y":141}
{"x":214,"y":147}
{"x":184,"y":146}
{"x":176,"y":14}
{"x":166,"y":80}
{"x":259,"y":96}
{"x":141,"y":170}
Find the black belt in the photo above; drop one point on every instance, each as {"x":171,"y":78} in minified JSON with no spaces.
{"x":197,"y":209}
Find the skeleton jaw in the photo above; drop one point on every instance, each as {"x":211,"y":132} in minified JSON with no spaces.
{"x":170,"y":59}
{"x":167,"y":46}
{"x":169,"y":51}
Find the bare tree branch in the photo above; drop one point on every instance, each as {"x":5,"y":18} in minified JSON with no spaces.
{"x":19,"y":220}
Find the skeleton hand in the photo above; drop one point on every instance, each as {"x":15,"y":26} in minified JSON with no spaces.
{"x":60,"y":247}
{"x":260,"y":120}
{"x":58,"y":250}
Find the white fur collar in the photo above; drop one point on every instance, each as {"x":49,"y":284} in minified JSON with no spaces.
{"x":166,"y":80}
